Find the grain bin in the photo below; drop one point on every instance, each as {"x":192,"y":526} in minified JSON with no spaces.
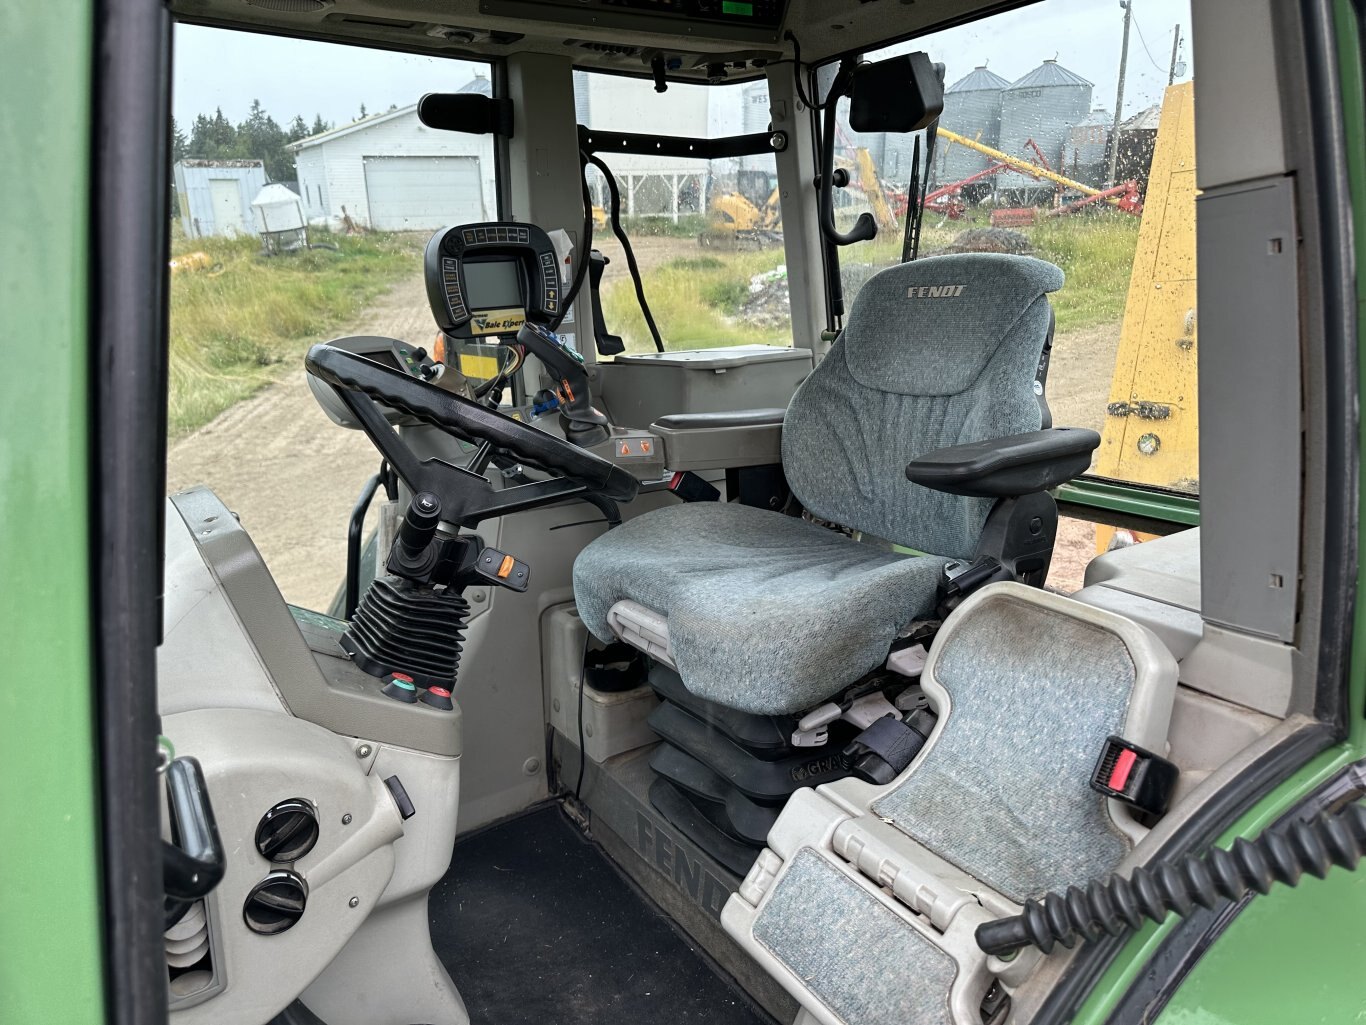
{"x":972,"y":108}
{"x":1087,"y":148}
{"x":1043,"y":106}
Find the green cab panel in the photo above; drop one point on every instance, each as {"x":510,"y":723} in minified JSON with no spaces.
{"x":1295,"y":955}
{"x":51,"y":936}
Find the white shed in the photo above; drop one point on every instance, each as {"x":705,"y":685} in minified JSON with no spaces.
{"x":390,"y":172}
{"x":215,"y":195}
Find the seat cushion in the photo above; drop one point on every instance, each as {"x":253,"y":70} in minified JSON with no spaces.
{"x":767,"y":613}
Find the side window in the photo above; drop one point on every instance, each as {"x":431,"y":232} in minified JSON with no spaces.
{"x":304,"y":191}
{"x":1034,"y":157}
{"x":707,"y":235}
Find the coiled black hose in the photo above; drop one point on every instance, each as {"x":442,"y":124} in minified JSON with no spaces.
{"x":1280,"y":855}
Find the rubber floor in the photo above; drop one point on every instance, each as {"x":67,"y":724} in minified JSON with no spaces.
{"x":536,"y":926}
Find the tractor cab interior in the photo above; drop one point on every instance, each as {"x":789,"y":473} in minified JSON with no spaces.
{"x":673,"y":681}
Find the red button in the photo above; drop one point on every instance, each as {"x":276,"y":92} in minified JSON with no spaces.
{"x":440,"y":692}
{"x":1119,"y":775}
{"x":402,"y":676}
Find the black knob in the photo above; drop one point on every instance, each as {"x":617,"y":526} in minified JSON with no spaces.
{"x":275,"y":903}
{"x":288,"y":831}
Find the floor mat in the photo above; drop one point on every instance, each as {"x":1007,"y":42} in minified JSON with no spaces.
{"x":536,"y":926}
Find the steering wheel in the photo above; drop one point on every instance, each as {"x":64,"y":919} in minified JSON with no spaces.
{"x":466,"y":497}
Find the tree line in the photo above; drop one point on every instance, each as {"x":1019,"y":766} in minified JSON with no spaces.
{"x":258,"y":137}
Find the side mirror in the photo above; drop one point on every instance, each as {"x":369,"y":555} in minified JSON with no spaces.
{"x":471,"y":113}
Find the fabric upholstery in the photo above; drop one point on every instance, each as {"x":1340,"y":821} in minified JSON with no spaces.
{"x":862,"y":961}
{"x":770,"y":615}
{"x":1004,"y":792}
{"x":767,"y":613}
{"x":916,"y":371}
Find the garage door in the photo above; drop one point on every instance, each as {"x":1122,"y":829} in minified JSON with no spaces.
{"x":422,"y":193}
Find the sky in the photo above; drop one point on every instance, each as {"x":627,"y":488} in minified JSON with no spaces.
{"x":216,"y":67}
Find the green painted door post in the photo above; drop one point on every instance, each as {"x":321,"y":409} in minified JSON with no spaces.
{"x":51,"y":936}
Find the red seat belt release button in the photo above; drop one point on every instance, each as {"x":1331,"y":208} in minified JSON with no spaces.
{"x":1134,"y":776}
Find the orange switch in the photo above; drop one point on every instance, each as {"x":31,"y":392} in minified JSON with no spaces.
{"x":625,"y":449}
{"x":645,"y":447}
{"x":506,"y":567}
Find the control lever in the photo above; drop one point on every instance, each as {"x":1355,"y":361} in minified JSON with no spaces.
{"x":584,"y":425}
{"x":194,"y":863}
{"x":413,"y":555}
{"x":606,"y":344}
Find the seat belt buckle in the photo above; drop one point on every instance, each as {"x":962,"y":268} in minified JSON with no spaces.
{"x":1134,"y":776}
{"x":691,"y":488}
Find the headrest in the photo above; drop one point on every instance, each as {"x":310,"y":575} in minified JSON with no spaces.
{"x":929,"y":327}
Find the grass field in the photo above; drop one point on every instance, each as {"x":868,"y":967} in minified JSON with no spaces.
{"x":234,"y":325}
{"x":698,"y":296}
{"x":696,"y":299}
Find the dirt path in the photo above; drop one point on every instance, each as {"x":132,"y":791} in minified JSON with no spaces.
{"x":289,"y":472}
{"x":292,"y":475}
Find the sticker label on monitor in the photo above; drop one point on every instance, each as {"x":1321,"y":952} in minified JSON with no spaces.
{"x":484,"y":368}
{"x":497,"y":322}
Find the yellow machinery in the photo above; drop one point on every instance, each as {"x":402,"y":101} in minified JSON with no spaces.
{"x":1151,"y":422}
{"x":1035,"y":171}
{"x":871,"y":185}
{"x":732,"y":215}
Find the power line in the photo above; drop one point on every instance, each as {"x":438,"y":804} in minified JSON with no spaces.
{"x":1154,"y":63}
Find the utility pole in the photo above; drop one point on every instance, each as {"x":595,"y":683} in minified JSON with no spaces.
{"x":1176,"y":43}
{"x":1119,"y":93}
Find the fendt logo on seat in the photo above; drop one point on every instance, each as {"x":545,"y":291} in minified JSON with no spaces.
{"x":934,"y":291}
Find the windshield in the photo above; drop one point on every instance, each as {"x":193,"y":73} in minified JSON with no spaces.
{"x":304,"y":189}
{"x":707,"y":234}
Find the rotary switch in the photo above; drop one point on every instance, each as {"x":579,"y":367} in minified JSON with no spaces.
{"x":276,"y":903}
{"x":288,"y":831}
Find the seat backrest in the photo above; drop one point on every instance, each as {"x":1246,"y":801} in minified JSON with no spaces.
{"x":937,"y":352}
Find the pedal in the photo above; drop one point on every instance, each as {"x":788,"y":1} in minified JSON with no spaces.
{"x":502,"y":569}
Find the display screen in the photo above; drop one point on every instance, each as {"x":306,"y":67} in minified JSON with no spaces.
{"x":493,"y":284}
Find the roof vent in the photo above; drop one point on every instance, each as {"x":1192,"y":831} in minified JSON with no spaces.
{"x":610,"y":49}
{"x":292,"y":6}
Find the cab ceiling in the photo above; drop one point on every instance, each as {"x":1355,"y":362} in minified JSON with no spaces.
{"x":609,"y":39}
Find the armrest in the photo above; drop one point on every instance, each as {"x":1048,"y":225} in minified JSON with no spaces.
{"x":712,"y":421}
{"x":718,"y":441}
{"x":1018,"y":464}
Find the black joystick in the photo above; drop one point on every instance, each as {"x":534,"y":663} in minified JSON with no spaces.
{"x":413,"y":554}
{"x":584,"y":425}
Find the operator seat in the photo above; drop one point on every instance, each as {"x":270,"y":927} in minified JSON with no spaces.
{"x":754,"y":617}
{"x":771,"y":614}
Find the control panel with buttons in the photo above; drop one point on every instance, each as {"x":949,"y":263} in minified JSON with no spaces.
{"x":486,"y":280}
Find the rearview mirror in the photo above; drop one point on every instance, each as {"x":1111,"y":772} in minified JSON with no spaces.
{"x":466,"y":112}
{"x":899,"y":94}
